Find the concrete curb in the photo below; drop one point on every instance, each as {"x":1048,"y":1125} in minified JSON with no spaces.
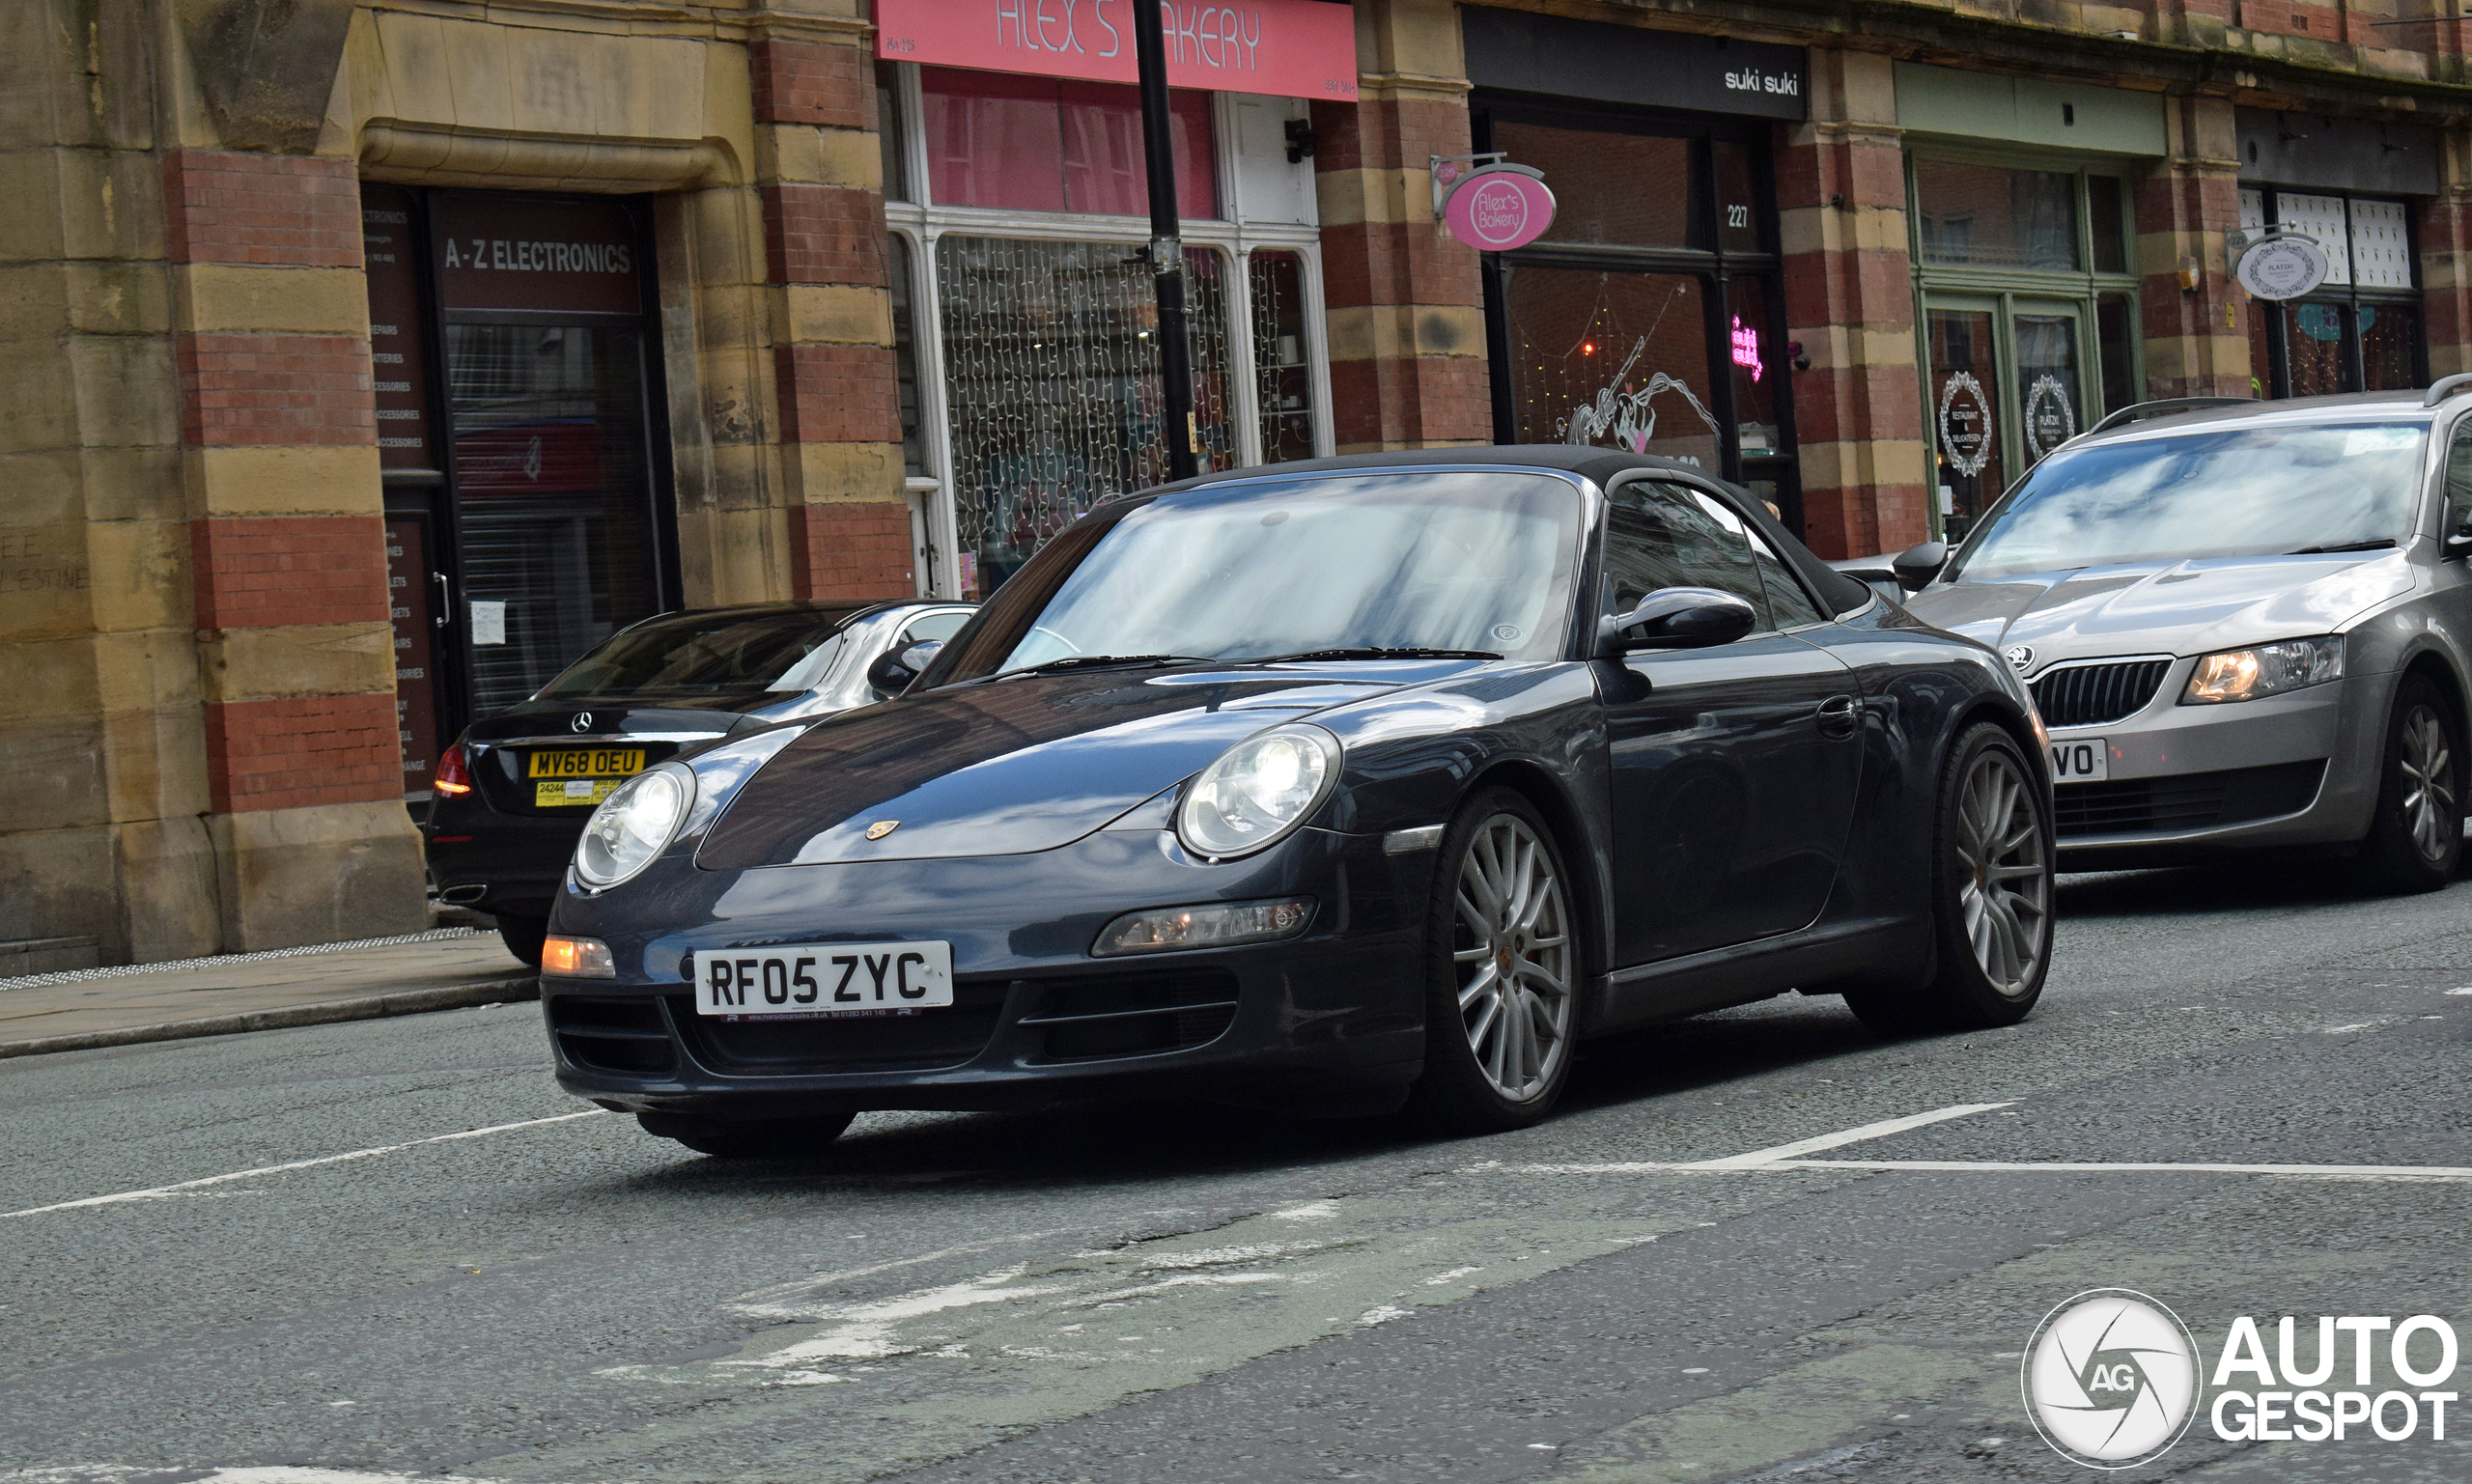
{"x":366,"y":1007}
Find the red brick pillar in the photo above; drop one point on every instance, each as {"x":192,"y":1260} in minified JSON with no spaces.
{"x":2196,"y":339}
{"x":288,"y":551}
{"x":1405,"y":304}
{"x":1849,"y":299}
{"x":834,"y":382}
{"x":2446,"y":258}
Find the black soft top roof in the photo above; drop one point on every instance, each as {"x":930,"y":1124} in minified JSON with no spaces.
{"x":1840,"y":593}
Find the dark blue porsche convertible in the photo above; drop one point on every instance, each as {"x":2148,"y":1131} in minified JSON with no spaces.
{"x":1342,"y":786}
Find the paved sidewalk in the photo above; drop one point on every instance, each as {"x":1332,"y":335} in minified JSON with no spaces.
{"x":436,"y":971}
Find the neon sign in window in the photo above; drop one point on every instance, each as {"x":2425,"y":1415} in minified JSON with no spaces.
{"x":1747,"y":349}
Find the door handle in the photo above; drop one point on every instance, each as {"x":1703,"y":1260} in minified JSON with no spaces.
{"x":443,"y":606}
{"x":1838,"y":716}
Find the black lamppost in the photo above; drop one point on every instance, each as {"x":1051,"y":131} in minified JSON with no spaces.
{"x":1166,"y":247}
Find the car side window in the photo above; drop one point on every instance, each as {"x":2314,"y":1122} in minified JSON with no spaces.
{"x":2459,"y":480}
{"x":938,"y":626}
{"x":1791,"y":606}
{"x":1659,"y":535}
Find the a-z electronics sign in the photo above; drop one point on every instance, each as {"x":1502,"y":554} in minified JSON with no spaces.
{"x":1289,"y":48}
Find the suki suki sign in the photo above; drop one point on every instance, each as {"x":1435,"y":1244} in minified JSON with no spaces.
{"x":1286,"y":48}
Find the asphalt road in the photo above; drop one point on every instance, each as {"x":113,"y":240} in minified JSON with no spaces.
{"x":1185,"y":1293}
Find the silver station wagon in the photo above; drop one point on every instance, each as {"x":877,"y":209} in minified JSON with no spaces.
{"x":2247,"y":623}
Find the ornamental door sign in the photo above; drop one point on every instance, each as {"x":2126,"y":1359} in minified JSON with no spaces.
{"x":2050,"y":420}
{"x":1965,"y":424}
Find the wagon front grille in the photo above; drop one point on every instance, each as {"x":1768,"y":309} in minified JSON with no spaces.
{"x":2090,"y":694}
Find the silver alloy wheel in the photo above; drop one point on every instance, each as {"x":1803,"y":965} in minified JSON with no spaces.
{"x":1511,"y":954}
{"x":2429,"y":781}
{"x":2005,"y":893}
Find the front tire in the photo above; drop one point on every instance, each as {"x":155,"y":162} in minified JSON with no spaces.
{"x":2416,"y":837}
{"x":1503,"y":971}
{"x":1992,"y":859}
{"x":769,"y":1139}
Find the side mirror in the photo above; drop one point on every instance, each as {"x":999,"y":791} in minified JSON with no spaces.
{"x":2457,"y":544}
{"x":895,"y":668}
{"x":1679,"y":618}
{"x":1917,"y":565}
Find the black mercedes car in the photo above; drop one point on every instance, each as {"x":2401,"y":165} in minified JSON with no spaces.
{"x":512,"y":794}
{"x":1340,"y":786}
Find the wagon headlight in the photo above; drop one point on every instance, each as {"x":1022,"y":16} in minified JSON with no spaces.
{"x":1258,"y":791}
{"x":2268,"y":669}
{"x":633,"y":823}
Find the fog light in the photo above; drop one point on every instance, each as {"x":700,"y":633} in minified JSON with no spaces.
{"x":1217,"y":926}
{"x":577,"y":958}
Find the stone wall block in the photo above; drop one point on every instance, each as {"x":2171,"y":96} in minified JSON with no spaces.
{"x":318,"y":874}
{"x":169,"y":909}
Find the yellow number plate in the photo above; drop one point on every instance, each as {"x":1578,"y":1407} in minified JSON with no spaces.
{"x":579,"y":793}
{"x":587,"y":763}
{"x":580,"y":777}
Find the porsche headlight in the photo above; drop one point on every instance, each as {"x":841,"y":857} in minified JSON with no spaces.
{"x":1258,"y":791}
{"x":2268,"y":669}
{"x":632,"y":825}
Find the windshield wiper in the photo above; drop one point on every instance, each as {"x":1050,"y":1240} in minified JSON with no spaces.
{"x":2380,"y":544}
{"x":1092,"y":661}
{"x":1371,"y":652}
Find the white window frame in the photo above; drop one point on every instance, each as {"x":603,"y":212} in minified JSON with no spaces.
{"x":921,"y":222}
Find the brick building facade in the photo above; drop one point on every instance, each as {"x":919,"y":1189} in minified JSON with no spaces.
{"x":270,"y":460}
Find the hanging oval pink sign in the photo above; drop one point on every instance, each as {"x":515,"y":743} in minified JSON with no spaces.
{"x":1498,"y":207}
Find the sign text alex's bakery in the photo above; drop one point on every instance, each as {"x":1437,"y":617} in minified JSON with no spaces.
{"x":1286,"y":48}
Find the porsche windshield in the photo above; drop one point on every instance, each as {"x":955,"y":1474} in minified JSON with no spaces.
{"x":1457,"y":561}
{"x":2246,"y":491}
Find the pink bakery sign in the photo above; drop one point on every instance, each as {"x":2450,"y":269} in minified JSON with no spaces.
{"x":1498,"y":207}
{"x":1288,"y":48}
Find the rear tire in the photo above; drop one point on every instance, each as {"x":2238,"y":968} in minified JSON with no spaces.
{"x":1991,"y":897}
{"x":768,"y":1138}
{"x":2415,"y":838}
{"x":522,"y":936}
{"x":1503,"y":972}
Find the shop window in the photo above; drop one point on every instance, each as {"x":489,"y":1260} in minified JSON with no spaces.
{"x":904,"y":349}
{"x":2115,"y":328}
{"x":2361,"y":329}
{"x":2390,"y":341}
{"x":1632,"y":190}
{"x":2313,"y":341}
{"x":890,"y":138}
{"x":1995,"y":217}
{"x":1615,"y":359}
{"x":1966,"y":397}
{"x":1030,"y":143}
{"x":1283,"y":372}
{"x":1052,"y":386}
{"x":1756,"y":360}
{"x":2106,"y":224}
{"x":1741,"y":225}
{"x":2047,"y":382}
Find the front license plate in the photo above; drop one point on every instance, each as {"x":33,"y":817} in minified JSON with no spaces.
{"x":2086,"y":760}
{"x":824,"y":980}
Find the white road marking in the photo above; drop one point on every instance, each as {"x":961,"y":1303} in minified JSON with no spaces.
{"x":162,"y":1192}
{"x":2426,"y":1172}
{"x":1870,"y":1131}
